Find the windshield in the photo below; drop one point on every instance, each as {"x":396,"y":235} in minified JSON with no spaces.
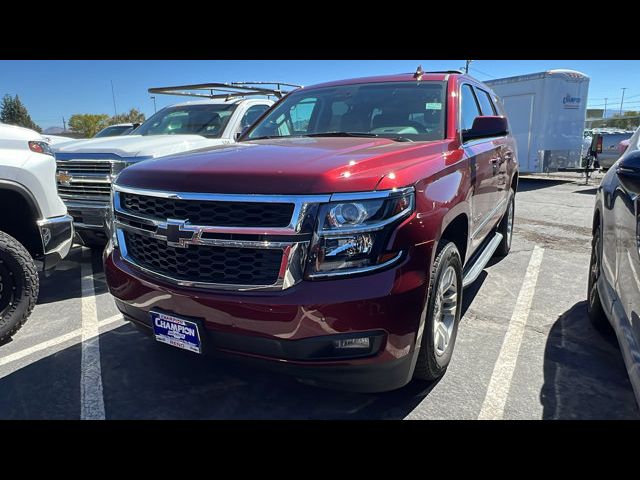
{"x":113,"y":131}
{"x":206,"y":120}
{"x":412,"y":111}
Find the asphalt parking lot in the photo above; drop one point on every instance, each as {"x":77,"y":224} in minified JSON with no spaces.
{"x":525,"y":348}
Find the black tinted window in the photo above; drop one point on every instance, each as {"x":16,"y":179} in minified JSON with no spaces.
{"x":469,"y":107}
{"x":486,"y":104}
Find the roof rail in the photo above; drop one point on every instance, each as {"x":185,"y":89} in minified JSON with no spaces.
{"x":417,"y":72}
{"x":227,"y":90}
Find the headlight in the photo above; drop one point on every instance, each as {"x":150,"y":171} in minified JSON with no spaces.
{"x":352,"y":233}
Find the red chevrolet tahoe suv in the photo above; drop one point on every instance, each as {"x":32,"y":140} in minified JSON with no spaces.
{"x":334,"y":240}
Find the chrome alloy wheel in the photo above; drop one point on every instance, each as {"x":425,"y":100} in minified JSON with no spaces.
{"x":444,"y":310}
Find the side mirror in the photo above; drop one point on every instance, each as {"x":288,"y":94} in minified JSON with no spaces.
{"x":628,"y":171}
{"x":485,"y":127}
{"x":241,"y":133}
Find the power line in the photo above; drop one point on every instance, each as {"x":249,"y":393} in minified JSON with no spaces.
{"x":480,"y":71}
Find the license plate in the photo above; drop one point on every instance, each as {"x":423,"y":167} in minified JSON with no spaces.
{"x":177,"y":332}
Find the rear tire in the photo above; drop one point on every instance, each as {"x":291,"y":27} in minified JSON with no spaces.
{"x":505,"y":227}
{"x":442,"y":315}
{"x":19,"y":286}
{"x":594,"y":305}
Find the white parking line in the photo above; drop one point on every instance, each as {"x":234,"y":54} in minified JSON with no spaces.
{"x":14,"y":357}
{"x":500,"y":383}
{"x":91,"y":397}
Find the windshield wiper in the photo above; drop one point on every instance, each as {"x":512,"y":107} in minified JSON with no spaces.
{"x":396,"y":138}
{"x":342,"y":134}
{"x":264,"y":137}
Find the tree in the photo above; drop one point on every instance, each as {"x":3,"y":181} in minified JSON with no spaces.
{"x":88,"y":124}
{"x":133,"y":116}
{"x":627,"y":120}
{"x":13,"y":112}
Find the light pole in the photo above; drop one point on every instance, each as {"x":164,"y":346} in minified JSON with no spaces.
{"x":604,"y":114}
{"x":113,"y":94}
{"x":466,"y":66}
{"x":622,"y":101}
{"x":154,"y":104}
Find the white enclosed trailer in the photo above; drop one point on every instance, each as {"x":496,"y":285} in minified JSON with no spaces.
{"x":546,"y":114}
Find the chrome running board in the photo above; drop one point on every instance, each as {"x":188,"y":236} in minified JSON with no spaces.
{"x":481,"y":261}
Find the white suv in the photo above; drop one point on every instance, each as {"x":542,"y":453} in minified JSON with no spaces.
{"x":86,"y":168}
{"x":35,"y":230}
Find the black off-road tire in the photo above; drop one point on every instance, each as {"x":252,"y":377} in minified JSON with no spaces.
{"x":429,"y":366}
{"x":594,"y":305}
{"x":505,"y":228}
{"x":19,"y":286}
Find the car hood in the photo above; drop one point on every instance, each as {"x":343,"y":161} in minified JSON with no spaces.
{"x":286,"y":166}
{"x":138,"y":145}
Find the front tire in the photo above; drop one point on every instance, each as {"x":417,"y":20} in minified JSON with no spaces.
{"x":19,"y":286}
{"x":442,"y":315}
{"x":594,"y":304}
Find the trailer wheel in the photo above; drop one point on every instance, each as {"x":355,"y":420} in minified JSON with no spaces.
{"x":19,"y":285}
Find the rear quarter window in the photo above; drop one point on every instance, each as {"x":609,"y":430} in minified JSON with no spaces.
{"x":486,"y":104}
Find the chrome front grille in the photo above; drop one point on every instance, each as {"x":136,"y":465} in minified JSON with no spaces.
{"x":84,"y":179}
{"x":228,"y":242}
{"x":229,"y":265}
{"x":207,"y":212}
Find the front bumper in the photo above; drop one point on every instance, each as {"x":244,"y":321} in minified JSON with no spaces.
{"x":279,"y":329}
{"x":57,"y":237}
{"x":89,"y":215}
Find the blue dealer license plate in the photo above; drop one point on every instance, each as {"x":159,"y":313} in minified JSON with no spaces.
{"x":176,"y":331}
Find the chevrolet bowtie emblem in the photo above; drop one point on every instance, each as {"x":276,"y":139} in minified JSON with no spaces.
{"x":64,"y":178}
{"x":178,"y":233}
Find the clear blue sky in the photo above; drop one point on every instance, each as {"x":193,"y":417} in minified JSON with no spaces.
{"x":54,"y":88}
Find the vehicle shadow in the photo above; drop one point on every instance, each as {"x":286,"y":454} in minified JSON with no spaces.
{"x":529,"y":184}
{"x":143,"y":379}
{"x":581,"y":367}
{"x":589,"y":191}
{"x":469,"y":293}
{"x":64,"y":281}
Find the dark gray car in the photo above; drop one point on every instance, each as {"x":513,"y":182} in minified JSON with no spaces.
{"x":610,"y":148}
{"x":614,"y":275}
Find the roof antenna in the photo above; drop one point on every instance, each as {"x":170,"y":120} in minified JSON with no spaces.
{"x":419,"y":73}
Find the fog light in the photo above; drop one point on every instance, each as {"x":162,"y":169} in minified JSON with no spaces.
{"x":352,"y":343}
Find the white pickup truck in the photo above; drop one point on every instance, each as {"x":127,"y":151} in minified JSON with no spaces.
{"x":86,"y":168}
{"x":35,"y":230}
